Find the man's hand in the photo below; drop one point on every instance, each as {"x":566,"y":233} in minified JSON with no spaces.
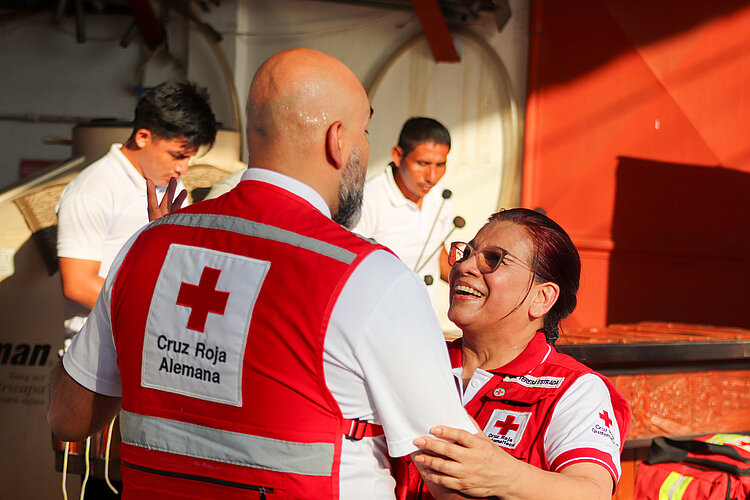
{"x":158,"y":210}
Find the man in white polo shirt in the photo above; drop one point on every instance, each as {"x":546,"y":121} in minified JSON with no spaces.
{"x":406,"y":208}
{"x":102,"y":207}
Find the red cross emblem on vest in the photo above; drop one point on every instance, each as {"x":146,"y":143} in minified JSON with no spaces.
{"x":202,"y":299}
{"x":507,"y":425}
{"x":605,"y":416}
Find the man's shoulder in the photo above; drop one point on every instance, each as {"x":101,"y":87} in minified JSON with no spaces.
{"x":380,"y":200}
{"x":378,"y":274}
{"x":105,"y":163}
{"x":377,"y":183}
{"x":338,"y":235}
{"x":383,"y":264}
{"x":247,"y":214}
{"x":97,"y":179}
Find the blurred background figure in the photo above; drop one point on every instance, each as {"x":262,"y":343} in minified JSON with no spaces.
{"x":106,"y":203}
{"x":406,"y":207}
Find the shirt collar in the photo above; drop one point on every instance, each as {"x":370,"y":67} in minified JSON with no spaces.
{"x":288,"y":184}
{"x":397,"y":198}
{"x":139,"y":182}
{"x":135,"y":177}
{"x":395,"y":195}
{"x":535,"y":353}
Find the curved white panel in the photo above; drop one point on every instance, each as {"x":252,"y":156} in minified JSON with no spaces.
{"x":473,"y":100}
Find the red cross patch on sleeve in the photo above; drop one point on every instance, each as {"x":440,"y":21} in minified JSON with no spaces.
{"x":198,"y":323}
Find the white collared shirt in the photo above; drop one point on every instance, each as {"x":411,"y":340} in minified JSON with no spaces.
{"x":398,"y":223}
{"x":101,"y":208}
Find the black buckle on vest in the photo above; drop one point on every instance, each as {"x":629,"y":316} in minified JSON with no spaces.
{"x":357,"y":430}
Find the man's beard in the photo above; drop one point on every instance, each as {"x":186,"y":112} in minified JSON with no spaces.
{"x":351,"y":190}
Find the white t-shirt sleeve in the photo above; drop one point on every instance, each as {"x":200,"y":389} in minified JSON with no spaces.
{"x":91,"y":359}
{"x":82,"y":225}
{"x":583,"y":428}
{"x":387,"y":360}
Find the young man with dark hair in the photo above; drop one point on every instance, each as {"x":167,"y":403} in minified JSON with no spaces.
{"x":102,"y":207}
{"x":401,"y":209}
{"x":177,"y":110}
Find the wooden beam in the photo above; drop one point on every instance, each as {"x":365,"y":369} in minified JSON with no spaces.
{"x":436,"y":30}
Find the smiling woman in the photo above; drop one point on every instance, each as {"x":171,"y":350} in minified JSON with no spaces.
{"x":551,"y":427}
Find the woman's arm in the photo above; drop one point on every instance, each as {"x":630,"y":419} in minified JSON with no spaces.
{"x":474,"y":465}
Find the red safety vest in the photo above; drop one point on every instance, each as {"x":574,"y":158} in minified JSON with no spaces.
{"x":256,"y":271}
{"x":521,"y":409}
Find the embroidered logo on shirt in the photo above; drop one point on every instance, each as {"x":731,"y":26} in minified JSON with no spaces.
{"x":506,"y":427}
{"x":531,"y":381}
{"x":198,"y":323}
{"x":604,"y":430}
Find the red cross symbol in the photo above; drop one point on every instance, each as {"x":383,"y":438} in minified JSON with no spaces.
{"x":605,"y":416}
{"x":507,"y":425}
{"x":203,"y":298}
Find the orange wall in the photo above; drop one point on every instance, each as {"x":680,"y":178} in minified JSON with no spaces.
{"x":638,"y":143}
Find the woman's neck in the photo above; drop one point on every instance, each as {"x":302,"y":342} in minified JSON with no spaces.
{"x":490,"y":350}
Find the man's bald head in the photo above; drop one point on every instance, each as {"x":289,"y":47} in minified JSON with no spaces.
{"x":296,"y":95}
{"x":307,"y":117}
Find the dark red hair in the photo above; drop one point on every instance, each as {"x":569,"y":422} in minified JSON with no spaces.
{"x":556,"y":259}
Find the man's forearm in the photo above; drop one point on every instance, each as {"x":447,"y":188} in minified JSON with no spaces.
{"x":80,"y":280}
{"x":74,"y":411}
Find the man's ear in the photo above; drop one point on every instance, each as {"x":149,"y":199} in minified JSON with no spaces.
{"x":397,"y":154}
{"x":142,"y":137}
{"x":335,"y":144}
{"x":545,"y":296}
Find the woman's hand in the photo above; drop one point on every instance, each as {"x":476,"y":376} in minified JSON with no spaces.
{"x":474,"y":465}
{"x":470,"y":463}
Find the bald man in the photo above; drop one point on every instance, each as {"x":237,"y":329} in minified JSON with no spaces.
{"x":254,"y":345}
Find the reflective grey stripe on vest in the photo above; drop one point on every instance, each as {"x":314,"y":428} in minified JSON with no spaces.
{"x":154,"y":433}
{"x":251,"y":228}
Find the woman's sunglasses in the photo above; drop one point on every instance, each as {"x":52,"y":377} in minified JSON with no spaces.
{"x":488,"y":259}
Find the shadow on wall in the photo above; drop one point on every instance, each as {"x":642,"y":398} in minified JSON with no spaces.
{"x":681,"y":238}
{"x":597,"y":32}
